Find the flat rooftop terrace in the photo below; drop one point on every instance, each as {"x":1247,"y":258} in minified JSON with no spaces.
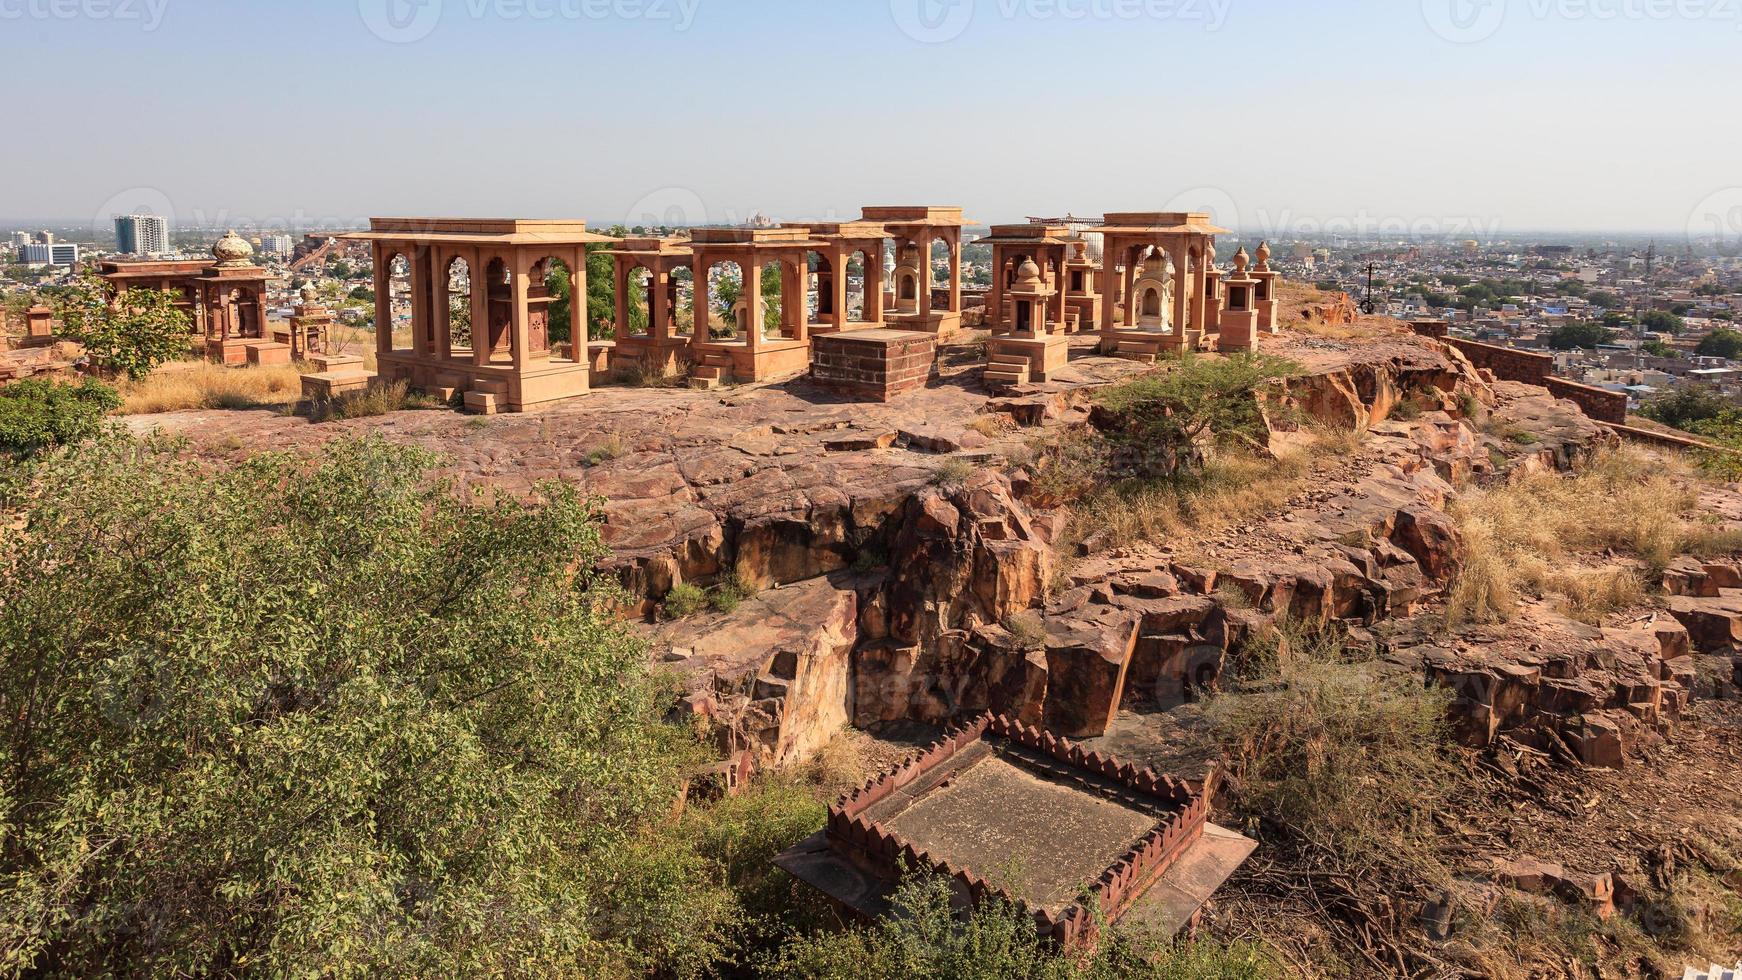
{"x":1004,"y":812}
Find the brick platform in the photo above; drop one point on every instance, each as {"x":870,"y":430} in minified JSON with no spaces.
{"x":873,"y":364}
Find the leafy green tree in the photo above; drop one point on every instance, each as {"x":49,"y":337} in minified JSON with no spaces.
{"x":1657,"y":348}
{"x":36,"y":413}
{"x":1572,"y":336}
{"x":1722,"y":342}
{"x":1687,"y":406}
{"x":321,"y":717}
{"x":148,"y":330}
{"x":1605,"y":299}
{"x":1661,"y":321}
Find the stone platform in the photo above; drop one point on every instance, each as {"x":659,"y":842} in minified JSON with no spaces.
{"x":1048,"y":821}
{"x":879,"y":364}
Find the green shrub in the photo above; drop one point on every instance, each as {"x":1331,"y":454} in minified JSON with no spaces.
{"x":730,"y":593}
{"x":1158,"y":423}
{"x":36,"y":413}
{"x":683,"y":601}
{"x":954,"y":472}
{"x":321,"y":717}
{"x":924,"y":939}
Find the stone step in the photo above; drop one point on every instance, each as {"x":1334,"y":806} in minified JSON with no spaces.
{"x":1140,"y":357}
{"x":1010,"y":362}
{"x":490,"y":386}
{"x":994,"y":376}
{"x":482,"y":403}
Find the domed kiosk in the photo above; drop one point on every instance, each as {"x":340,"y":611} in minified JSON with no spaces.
{"x":233,"y":296}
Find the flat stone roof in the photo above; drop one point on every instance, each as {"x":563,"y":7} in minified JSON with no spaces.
{"x":1165,"y":222}
{"x":479,"y":231}
{"x":999,"y":812}
{"x":916,"y":215}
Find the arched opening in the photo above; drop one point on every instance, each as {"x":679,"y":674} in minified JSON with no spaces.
{"x":725,"y":293}
{"x":638,"y":301}
{"x":937,"y":264}
{"x":398,"y":296}
{"x":1151,"y":304}
{"x":681,"y":288}
{"x":772,"y":281}
{"x":547,"y":304}
{"x":858,"y":282}
{"x":819,"y":289}
{"x":499,"y":291}
{"x":459,"y":300}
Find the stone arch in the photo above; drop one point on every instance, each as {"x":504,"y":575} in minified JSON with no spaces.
{"x":549,"y":294}
{"x":499,"y":304}
{"x":680,"y":305}
{"x":858,"y":270}
{"x":398,"y":283}
{"x":937,"y":251}
{"x":724,"y":305}
{"x":457,"y":293}
{"x":638,"y":300}
{"x":819,"y":286}
{"x":771,"y":279}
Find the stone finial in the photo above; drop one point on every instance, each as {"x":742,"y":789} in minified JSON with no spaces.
{"x":1264,"y":256}
{"x":310,"y":295}
{"x":1241,"y":261}
{"x":1028,"y":274}
{"x":233,"y":251}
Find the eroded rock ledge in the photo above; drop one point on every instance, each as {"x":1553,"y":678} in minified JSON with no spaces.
{"x":958,"y":618}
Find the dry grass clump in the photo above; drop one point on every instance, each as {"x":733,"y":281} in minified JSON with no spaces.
{"x":1527,"y":538}
{"x":377,"y":399}
{"x":1234,"y":486}
{"x":188,"y":385}
{"x":1334,"y":751}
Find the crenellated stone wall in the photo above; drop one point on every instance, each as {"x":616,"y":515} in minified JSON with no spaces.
{"x":1184,"y":813}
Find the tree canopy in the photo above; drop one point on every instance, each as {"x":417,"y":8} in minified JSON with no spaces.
{"x":1571,"y":336}
{"x":146,"y":331}
{"x":1722,"y":342}
{"x":323,"y":717}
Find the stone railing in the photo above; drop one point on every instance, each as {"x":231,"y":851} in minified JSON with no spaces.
{"x":1108,"y":896}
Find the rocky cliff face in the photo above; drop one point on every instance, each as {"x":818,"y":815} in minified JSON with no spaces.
{"x":962,"y":618}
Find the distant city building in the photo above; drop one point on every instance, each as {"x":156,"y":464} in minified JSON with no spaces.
{"x":141,"y":234}
{"x":40,"y":254}
{"x":20,"y":239}
{"x":277,"y":246}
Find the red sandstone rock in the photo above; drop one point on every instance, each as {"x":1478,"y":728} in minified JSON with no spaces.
{"x":1713,"y":624}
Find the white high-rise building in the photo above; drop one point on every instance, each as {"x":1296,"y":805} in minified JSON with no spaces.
{"x":141,"y":234}
{"x":20,"y":239}
{"x":279,"y":246}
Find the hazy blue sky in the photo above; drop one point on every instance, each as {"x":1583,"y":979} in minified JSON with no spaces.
{"x":1502,"y":115}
